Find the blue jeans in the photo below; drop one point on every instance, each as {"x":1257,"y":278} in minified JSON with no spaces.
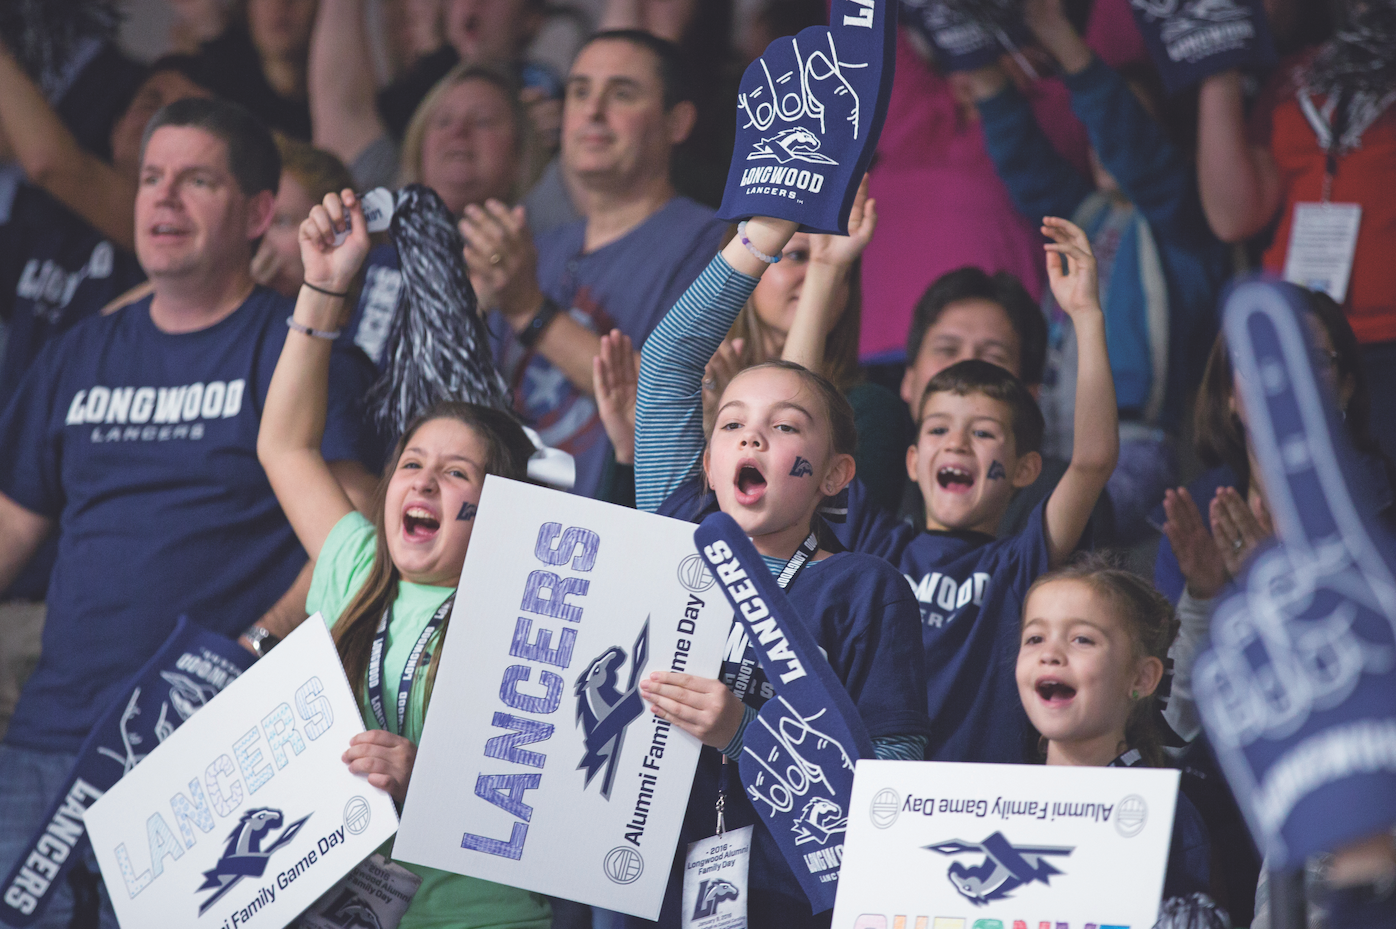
{"x":29,"y":783}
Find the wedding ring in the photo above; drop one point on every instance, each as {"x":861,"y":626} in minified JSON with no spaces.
{"x":496,"y":258}
{"x":1236,"y":546}
{"x":709,"y":383}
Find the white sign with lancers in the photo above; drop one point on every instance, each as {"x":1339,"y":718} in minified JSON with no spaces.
{"x":246,"y":814}
{"x":540,"y":765}
{"x":989,"y":844}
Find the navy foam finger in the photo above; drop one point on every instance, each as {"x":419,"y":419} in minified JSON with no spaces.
{"x":1303,"y":450}
{"x":809,"y":113}
{"x":1297,"y":687}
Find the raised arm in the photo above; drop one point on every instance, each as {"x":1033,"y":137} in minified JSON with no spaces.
{"x":1040,"y":180}
{"x":53,"y":160}
{"x":1130,"y":144}
{"x":1239,"y":182}
{"x":831,"y":261}
{"x":343,"y":109}
{"x":293,"y":418}
{"x":1097,"y":423}
{"x":669,"y":435}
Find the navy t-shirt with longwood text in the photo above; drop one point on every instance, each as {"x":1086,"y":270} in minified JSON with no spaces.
{"x":142,"y":446}
{"x":970,"y":588}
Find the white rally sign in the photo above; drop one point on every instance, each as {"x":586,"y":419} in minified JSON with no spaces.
{"x":246,"y":814}
{"x":960,"y":846}
{"x":540,"y":766}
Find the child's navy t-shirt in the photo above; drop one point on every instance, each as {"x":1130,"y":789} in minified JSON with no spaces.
{"x":863,"y":617}
{"x":970,"y":588}
{"x":142,"y":445}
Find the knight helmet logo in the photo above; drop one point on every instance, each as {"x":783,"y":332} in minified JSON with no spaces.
{"x":710,"y":894}
{"x":244,"y":854}
{"x":794,"y":144}
{"x":1005,"y":866}
{"x":818,"y":821}
{"x":605,"y":711}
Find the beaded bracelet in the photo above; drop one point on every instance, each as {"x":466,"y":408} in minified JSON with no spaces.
{"x":303,"y":329}
{"x":757,"y":253}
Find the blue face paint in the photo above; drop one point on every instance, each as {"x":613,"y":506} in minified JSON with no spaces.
{"x":467,"y":512}
{"x":801,"y":468}
{"x":996,"y":472}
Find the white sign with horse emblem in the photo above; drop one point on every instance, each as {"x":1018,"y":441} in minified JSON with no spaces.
{"x":245,"y":814}
{"x":942,"y":844}
{"x":540,"y":766}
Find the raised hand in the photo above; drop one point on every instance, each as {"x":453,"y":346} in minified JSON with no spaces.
{"x":327,"y":265}
{"x":1298,"y":688}
{"x":386,"y":759}
{"x":1192,"y":545}
{"x":1076,"y":287}
{"x":615,"y":377}
{"x":842,"y":250}
{"x":502,"y":260}
{"x":1239,"y":529}
{"x":1049,"y":24}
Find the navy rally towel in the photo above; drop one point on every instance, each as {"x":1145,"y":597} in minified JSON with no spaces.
{"x":1192,"y":39}
{"x":798,"y":754}
{"x":1298,"y":685}
{"x":189,"y":670}
{"x":809,"y":113}
{"x":960,"y":41}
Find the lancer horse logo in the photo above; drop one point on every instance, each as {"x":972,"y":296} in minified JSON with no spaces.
{"x":243,"y":851}
{"x":605,"y":711}
{"x":819,"y":820}
{"x":1004,"y":868}
{"x":794,"y":144}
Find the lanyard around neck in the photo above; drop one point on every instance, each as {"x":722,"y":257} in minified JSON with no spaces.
{"x":798,"y":561}
{"x":409,"y":670}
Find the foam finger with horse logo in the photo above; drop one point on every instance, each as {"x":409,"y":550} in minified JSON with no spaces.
{"x":988,"y":845}
{"x":540,"y":766}
{"x":798,"y":754}
{"x":809,"y":113}
{"x":246,"y":813}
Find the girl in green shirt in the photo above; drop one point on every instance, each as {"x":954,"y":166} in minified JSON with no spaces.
{"x":397,"y":568}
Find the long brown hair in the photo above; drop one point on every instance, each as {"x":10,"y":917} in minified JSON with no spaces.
{"x":1148,"y":618}
{"x":507,"y":450}
{"x":840,"y":345}
{"x":1218,"y":434}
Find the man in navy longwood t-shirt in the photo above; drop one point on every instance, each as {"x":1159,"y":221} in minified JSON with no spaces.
{"x":135,"y":434}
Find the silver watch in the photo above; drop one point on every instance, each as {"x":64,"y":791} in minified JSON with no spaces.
{"x":261,"y":640}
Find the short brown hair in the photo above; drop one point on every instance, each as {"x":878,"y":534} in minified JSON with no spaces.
{"x":974,"y":376}
{"x":315,"y":169}
{"x":1149,"y":620}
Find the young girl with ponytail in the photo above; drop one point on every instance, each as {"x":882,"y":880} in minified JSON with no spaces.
{"x":1094,"y":640}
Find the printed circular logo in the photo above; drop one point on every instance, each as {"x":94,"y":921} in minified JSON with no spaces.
{"x":885,"y":806}
{"x":623,"y":865}
{"x":694,"y":574}
{"x":1130,"y":816}
{"x":356,"y":815}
